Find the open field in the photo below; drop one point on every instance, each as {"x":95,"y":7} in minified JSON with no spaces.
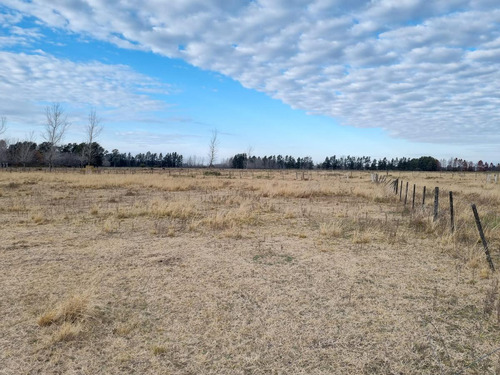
{"x":245,"y":273}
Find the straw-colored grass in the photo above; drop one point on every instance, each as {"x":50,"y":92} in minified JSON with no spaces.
{"x":245,"y":272}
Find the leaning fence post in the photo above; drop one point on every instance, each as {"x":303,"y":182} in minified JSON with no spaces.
{"x":406,"y":192}
{"x":413,"y":200}
{"x":452,"y":216}
{"x":483,"y":239}
{"x":423,"y":197}
{"x":436,"y":203}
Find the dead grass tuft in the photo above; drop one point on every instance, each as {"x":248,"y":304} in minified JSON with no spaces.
{"x":94,"y":210}
{"x":67,"y":331}
{"x":110,"y":225}
{"x":176,"y":210}
{"x":48,"y":318}
{"x":360,"y":237}
{"x":13,"y":185}
{"x":38,"y":218}
{"x":70,"y":310}
{"x":124,"y":329}
{"x":491,"y":298}
{"x":332,"y":229}
{"x":159,"y":350}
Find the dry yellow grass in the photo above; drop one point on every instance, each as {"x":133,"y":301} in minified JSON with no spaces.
{"x":67,"y":332}
{"x":70,"y":310}
{"x":250,"y":272}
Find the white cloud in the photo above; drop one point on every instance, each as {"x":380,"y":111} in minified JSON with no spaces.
{"x":422,"y":70}
{"x":9,"y":18}
{"x":32,"y":80}
{"x":10,"y":41}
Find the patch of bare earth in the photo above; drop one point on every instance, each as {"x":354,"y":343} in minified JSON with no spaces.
{"x":253,"y":273}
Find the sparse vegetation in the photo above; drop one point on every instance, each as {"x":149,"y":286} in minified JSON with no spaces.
{"x":254,"y":272}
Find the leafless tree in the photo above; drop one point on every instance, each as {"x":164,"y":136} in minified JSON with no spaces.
{"x":3,"y":124}
{"x":26,"y":150}
{"x":3,"y":143}
{"x":92,"y":131}
{"x":213,"y":148}
{"x":56,"y":126}
{"x":4,"y":153}
{"x":194,"y":161}
{"x":249,"y":156}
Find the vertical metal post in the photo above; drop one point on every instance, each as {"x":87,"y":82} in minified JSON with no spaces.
{"x":483,"y":239}
{"x":452,"y":215}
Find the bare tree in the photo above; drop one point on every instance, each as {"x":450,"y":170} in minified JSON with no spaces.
{"x":213,"y":148}
{"x":25,"y":151}
{"x":56,"y":126}
{"x":4,"y":153}
{"x":249,"y":156}
{"x":92,"y":130}
{"x":3,"y":124}
{"x":3,"y":143}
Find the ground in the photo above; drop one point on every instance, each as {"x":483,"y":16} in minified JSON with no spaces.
{"x":251,"y":272}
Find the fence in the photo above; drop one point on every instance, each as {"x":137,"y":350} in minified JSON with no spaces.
{"x":396,"y":186}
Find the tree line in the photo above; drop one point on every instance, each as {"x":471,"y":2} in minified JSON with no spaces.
{"x":31,"y":154}
{"x":241,"y":161}
{"x":423,"y":163}
{"x":79,"y":155}
{"x":51,"y":152}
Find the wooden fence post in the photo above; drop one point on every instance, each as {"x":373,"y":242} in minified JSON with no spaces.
{"x":401,"y":190}
{"x":436,"y":203}
{"x":483,"y":239}
{"x":423,"y":197}
{"x":452,"y":216}
{"x":413,"y":200}
{"x":406,"y":192}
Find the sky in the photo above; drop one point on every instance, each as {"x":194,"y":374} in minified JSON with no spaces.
{"x":312,"y":78}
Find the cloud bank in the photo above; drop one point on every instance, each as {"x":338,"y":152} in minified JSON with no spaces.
{"x":32,"y":80}
{"x":423,"y":71}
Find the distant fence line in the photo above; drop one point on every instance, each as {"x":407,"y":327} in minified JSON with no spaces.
{"x":300,"y":174}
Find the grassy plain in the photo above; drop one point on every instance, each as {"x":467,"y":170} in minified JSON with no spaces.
{"x":252,"y":272}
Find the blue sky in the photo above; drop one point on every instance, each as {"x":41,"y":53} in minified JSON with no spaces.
{"x":304,"y":78}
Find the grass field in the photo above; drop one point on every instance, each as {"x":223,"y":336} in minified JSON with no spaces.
{"x":251,"y":272}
